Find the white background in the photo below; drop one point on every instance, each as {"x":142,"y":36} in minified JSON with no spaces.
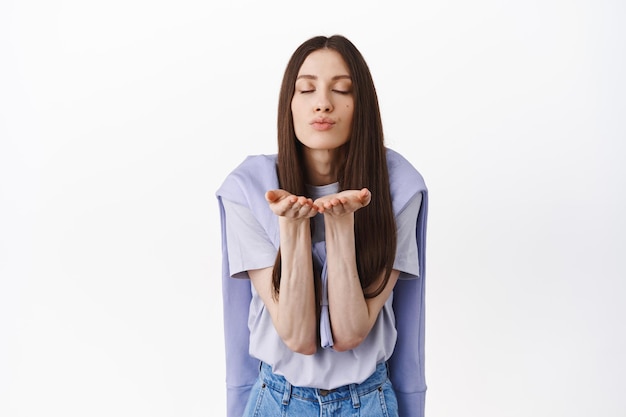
{"x":119,"y":120}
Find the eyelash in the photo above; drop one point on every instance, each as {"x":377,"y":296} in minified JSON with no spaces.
{"x":335,"y":91}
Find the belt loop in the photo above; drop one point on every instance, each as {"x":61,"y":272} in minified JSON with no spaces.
{"x":287,"y":393}
{"x":356,"y":402}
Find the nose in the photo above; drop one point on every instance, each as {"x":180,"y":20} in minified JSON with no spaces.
{"x":323,"y":104}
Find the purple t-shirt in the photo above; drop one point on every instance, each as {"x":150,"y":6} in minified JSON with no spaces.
{"x":245,"y":186}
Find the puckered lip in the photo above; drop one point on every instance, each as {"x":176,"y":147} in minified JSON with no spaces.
{"x":326,"y":120}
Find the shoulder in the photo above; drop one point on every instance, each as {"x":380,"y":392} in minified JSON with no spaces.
{"x":405,"y":181}
{"x":402,"y":171}
{"x":254,"y":166}
{"x":256,"y":173}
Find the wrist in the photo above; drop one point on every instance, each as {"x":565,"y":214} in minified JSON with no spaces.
{"x":294,"y":229}
{"x":339,"y":227}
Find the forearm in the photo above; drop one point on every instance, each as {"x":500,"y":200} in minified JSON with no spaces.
{"x":296,"y":320}
{"x":349,"y":313}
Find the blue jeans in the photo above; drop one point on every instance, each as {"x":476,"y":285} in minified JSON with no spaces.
{"x":273,"y":396}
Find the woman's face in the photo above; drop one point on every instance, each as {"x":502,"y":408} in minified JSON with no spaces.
{"x":323,"y":104}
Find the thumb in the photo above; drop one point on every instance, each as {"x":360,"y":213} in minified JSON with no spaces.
{"x":365,"y":196}
{"x":271,"y":196}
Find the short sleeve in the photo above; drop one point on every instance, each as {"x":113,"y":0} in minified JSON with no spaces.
{"x":407,"y":259}
{"x":247,"y":243}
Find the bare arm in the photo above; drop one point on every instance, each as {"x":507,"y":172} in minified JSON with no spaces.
{"x":352,"y":315}
{"x":293,"y":312}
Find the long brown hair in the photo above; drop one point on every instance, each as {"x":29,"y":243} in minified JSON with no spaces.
{"x":365,"y":162}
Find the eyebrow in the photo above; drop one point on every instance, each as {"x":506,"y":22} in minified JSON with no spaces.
{"x":314,"y":77}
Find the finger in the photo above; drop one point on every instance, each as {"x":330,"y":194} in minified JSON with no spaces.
{"x":308,"y":211}
{"x":271,"y":196}
{"x":365,"y":196}
{"x":300,"y":203}
{"x":312,"y":205}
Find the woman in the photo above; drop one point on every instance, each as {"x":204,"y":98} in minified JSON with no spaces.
{"x":330,"y":232}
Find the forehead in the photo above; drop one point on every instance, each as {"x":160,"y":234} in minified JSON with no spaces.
{"x":324,"y":63}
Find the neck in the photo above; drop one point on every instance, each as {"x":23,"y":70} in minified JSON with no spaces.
{"x":322,"y":166}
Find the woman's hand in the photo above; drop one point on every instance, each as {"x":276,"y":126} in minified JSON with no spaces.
{"x":345,"y":202}
{"x":285,"y":204}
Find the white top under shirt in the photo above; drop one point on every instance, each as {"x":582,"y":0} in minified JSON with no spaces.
{"x":250,"y":248}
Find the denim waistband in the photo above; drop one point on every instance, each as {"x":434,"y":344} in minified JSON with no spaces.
{"x":280,"y":384}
